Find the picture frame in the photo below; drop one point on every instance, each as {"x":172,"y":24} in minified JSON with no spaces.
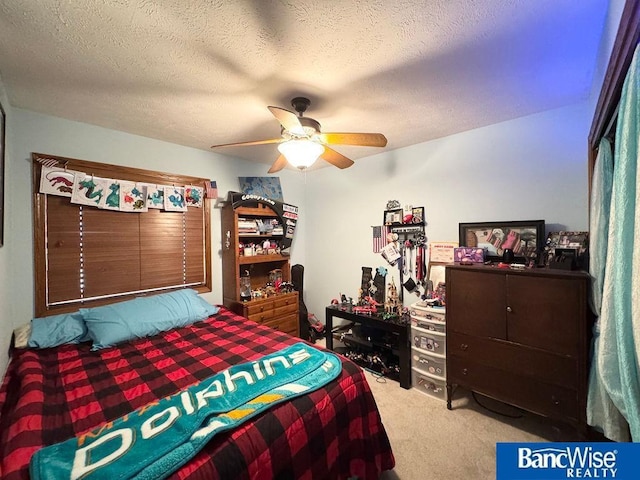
{"x":3,"y":137}
{"x":560,"y":243}
{"x":525,"y":237}
{"x":393,"y":217}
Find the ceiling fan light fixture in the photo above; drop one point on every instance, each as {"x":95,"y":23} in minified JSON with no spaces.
{"x":301,"y":153}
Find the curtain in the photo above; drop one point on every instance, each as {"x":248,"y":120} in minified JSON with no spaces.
{"x":601,"y":411}
{"x":619,"y":323}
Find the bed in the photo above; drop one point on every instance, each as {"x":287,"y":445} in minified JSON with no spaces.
{"x":52,"y":394}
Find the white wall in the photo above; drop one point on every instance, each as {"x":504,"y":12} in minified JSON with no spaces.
{"x":609,"y":31}
{"x":530,"y":168}
{"x":33,"y":132}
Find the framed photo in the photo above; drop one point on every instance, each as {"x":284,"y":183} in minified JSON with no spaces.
{"x":2,"y":150}
{"x":578,"y":242}
{"x":393,"y":217}
{"x":526,"y":238}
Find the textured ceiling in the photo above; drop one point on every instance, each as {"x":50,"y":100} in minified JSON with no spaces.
{"x":199,"y":73}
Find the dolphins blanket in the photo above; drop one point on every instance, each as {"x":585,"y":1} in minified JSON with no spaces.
{"x":157,"y":439}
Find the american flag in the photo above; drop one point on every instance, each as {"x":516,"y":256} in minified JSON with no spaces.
{"x":211,"y":188}
{"x":379,"y":238}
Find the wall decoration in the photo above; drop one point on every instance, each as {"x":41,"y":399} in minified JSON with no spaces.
{"x":525,"y":238}
{"x":155,"y":196}
{"x":211,"y":188}
{"x":268,"y":187}
{"x":174,"y":199}
{"x":56,"y":181}
{"x":111,"y":200}
{"x":442,"y":252}
{"x":379,"y":238}
{"x":133,"y":197}
{"x":88,"y":190}
{"x":193,"y":196}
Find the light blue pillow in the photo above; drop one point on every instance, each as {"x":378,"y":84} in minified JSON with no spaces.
{"x":144,"y":316}
{"x":47,"y":332}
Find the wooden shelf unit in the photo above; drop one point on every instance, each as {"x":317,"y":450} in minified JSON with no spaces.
{"x":280,"y":311}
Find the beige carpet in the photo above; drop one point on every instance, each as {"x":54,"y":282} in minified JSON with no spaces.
{"x":430,"y":442}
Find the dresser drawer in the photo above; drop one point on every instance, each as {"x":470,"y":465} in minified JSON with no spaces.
{"x":263,"y":306}
{"x":279,"y":311}
{"x":285,"y":301}
{"x":534,"y":395}
{"x":287,"y":324}
{"x":546,"y":366}
{"x":261,"y":317}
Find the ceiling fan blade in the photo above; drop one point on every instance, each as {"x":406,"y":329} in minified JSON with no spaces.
{"x":288,"y":120}
{"x":361,"y":139}
{"x":243,"y":144}
{"x":278,"y":165}
{"x":335,"y":158}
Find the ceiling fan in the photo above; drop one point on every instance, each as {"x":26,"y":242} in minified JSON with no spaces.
{"x":302,"y":142}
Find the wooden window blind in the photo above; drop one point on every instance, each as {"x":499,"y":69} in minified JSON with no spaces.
{"x":85,"y":256}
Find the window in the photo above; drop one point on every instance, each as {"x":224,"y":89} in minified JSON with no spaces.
{"x":86,"y":256}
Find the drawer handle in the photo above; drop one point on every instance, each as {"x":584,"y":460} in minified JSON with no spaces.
{"x":509,"y":309}
{"x":464,"y":346}
{"x":465,"y":371}
{"x":555,"y":400}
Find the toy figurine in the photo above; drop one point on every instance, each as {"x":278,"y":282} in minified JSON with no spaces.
{"x":392,"y":306}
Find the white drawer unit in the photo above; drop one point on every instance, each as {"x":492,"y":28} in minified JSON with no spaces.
{"x":428,"y":340}
{"x":425,"y":324}
{"x":433,"y":314}
{"x":428,"y":384}
{"x":429,"y":362}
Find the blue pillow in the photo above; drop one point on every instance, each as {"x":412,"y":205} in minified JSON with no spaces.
{"x":47,"y":332}
{"x":144,"y":316}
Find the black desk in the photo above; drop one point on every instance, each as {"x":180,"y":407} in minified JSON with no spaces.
{"x":396,"y":325}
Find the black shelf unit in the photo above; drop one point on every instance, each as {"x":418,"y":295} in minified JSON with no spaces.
{"x":386,"y":338}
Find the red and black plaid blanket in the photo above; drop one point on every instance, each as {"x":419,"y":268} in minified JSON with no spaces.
{"x":54,"y":394}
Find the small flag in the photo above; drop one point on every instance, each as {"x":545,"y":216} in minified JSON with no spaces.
{"x":379,"y":238}
{"x":211,"y":189}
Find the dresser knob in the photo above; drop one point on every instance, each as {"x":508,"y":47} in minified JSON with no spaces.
{"x":464,"y":371}
{"x":555,"y":400}
{"x":509,"y":309}
{"x":464,"y":346}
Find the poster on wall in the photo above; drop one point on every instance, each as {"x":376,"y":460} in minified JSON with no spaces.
{"x":133,"y":197}
{"x":268,"y":187}
{"x":174,"y":199}
{"x":442,"y":252}
{"x":56,"y":181}
{"x":155,"y":195}
{"x":88,"y":190}
{"x":193,"y":196}
{"x":111,"y":200}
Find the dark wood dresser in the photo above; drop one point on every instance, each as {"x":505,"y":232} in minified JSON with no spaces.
{"x":521,"y":337}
